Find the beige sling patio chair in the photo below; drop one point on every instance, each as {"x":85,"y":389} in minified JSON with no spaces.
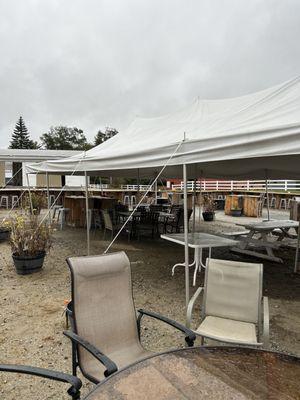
{"x":105,"y":328}
{"x":233,"y":309}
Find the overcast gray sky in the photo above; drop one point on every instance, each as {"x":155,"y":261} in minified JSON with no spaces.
{"x":97,"y":63}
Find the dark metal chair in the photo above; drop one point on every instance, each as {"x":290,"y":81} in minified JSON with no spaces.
{"x":113,"y":228}
{"x":73,"y":391}
{"x":105,"y":330}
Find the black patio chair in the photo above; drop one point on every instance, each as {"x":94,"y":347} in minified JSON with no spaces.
{"x":109,"y":225}
{"x":73,"y":391}
{"x":176,"y":225}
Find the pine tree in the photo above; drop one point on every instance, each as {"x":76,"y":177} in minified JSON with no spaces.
{"x":21,"y":138}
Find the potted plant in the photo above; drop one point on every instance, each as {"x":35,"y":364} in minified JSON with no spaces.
{"x":4,"y":230}
{"x":208,"y":207}
{"x":37,"y":200}
{"x":30,"y":239}
{"x":237,"y":209}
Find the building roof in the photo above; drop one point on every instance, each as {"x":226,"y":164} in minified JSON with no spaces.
{"x":24,"y":155}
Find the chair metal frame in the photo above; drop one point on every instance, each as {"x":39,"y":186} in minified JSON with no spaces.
{"x":109,"y":364}
{"x":73,"y":391}
{"x":263,"y":312}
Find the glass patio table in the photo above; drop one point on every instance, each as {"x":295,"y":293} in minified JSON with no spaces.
{"x":198,"y":241}
{"x":205,"y":373}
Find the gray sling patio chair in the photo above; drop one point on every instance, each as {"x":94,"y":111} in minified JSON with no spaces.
{"x":105,"y":330}
{"x":73,"y":391}
{"x":233,"y":308}
{"x":114,"y":228}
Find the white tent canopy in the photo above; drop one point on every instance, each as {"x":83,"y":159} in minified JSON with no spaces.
{"x":239,"y":137}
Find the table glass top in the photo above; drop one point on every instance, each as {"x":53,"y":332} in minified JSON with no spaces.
{"x":206,"y":373}
{"x":200,"y":239}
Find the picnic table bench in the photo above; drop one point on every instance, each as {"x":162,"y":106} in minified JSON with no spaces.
{"x":264,"y":241}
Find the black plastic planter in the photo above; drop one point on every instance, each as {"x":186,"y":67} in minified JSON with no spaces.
{"x":236,"y":213}
{"x":4,"y":234}
{"x":30,"y":264}
{"x":208,"y":215}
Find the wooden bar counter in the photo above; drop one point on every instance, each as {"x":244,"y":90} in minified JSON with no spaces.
{"x":249,"y":204}
{"x":76,"y":204}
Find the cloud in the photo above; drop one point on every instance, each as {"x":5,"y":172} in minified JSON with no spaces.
{"x":97,"y":63}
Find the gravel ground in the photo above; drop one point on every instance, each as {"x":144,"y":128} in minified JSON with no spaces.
{"x":32,"y":307}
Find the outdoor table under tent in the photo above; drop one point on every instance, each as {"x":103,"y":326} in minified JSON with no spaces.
{"x":256,"y":136}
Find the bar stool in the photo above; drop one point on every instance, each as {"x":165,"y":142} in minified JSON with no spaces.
{"x":56,"y":209}
{"x":289,"y":202}
{"x":126,"y":200}
{"x":4,"y":201}
{"x":14,"y":201}
{"x":97,"y":220}
{"x":272,"y":202}
{"x":133,"y":200}
{"x":62,"y":216}
{"x":283,"y":203}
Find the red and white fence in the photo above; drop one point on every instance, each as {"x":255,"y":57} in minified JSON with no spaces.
{"x":251,"y":186}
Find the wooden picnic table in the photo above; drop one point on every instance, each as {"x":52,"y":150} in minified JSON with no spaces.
{"x":198,"y":241}
{"x":200,"y":373}
{"x":264,"y":240}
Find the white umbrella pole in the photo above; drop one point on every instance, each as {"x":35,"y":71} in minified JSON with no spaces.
{"x":155,"y":189}
{"x":48,"y":197}
{"x":87,"y":214}
{"x":186,"y":244}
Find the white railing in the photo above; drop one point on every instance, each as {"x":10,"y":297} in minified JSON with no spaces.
{"x":229,"y":186}
{"x":99,"y":186}
{"x":142,"y":188}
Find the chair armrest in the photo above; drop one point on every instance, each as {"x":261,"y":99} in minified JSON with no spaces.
{"x":266,"y":319}
{"x":75,"y":382}
{"x":191,"y":306}
{"x":106,"y":361}
{"x":190,"y":336}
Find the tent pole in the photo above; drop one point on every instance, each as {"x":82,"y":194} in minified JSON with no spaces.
{"x":48,"y":197}
{"x":87,"y":213}
{"x":186,"y":243}
{"x":200,"y":198}
{"x":138,"y":185}
{"x":155,"y":189}
{"x":194,"y":205}
{"x":297,"y":251}
{"x":29,"y":193}
{"x":267,"y":194}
